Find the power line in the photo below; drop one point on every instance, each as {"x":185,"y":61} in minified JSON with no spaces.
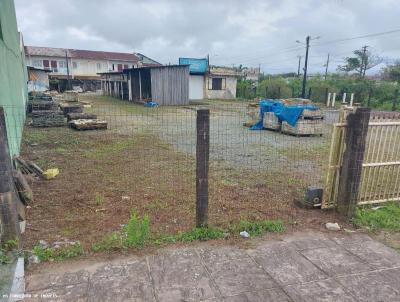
{"x":358,"y":37}
{"x":250,"y":59}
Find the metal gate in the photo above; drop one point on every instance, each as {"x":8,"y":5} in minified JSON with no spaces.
{"x":380,"y":172}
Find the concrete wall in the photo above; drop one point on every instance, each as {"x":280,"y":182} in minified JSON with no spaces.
{"x":83,"y":67}
{"x":228,"y":90}
{"x":13,"y":75}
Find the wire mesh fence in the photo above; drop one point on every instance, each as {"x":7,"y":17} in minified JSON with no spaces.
{"x":145,"y":160}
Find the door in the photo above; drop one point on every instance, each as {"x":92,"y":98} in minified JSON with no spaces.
{"x":196,"y":87}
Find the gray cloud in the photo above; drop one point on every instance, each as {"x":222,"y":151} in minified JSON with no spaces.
{"x":233,"y":32}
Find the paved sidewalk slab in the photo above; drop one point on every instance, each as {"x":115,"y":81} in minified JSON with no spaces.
{"x":304,"y":267}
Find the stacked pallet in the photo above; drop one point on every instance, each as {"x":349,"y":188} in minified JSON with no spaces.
{"x":42,"y":104}
{"x":310,"y":123}
{"x":80,"y":116}
{"x":72,"y":107}
{"x":92,"y":124}
{"x":271,"y":122}
{"x":253,"y":114}
{"x":47,"y":118}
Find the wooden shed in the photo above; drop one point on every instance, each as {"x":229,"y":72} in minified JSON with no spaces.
{"x":165,"y":85}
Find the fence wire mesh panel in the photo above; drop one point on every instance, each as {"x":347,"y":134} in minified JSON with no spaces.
{"x":381,"y":165}
{"x":144,"y":159}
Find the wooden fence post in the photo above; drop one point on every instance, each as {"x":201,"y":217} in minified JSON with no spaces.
{"x":8,"y":206}
{"x":396,"y":94}
{"x":326,"y":95}
{"x":353,"y":156}
{"x":202,"y":164}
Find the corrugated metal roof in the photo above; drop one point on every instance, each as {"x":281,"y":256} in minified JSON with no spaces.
{"x":80,"y":54}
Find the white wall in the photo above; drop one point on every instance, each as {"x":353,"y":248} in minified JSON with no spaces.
{"x":196,"y":87}
{"x":228,"y":91}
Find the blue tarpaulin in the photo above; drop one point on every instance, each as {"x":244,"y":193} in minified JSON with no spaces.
{"x":150,"y":104}
{"x":289,"y":113}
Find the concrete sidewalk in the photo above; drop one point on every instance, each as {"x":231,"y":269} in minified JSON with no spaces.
{"x":302,"y":267}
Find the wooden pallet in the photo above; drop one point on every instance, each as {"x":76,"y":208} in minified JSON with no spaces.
{"x":93,"y":124}
{"x":304,"y":127}
{"x":80,"y":116}
{"x":271,"y":122}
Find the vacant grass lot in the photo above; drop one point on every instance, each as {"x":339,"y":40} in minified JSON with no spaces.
{"x":146,"y":161}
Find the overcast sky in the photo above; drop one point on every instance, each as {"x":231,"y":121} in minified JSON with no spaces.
{"x":250,"y":32}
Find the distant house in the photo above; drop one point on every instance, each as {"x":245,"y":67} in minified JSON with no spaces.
{"x":250,"y":73}
{"x":221,"y":83}
{"x":145,"y":61}
{"x":165,"y":85}
{"x":80,"y":67}
{"x":210,"y":82}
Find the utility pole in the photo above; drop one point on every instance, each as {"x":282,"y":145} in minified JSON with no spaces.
{"x":326,"y":67}
{"x":68,"y":80}
{"x":303,"y":89}
{"x":364,"y":61}
{"x":298,"y":67}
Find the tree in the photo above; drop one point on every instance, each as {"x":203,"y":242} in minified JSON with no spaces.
{"x":392,"y":72}
{"x":361,"y":62}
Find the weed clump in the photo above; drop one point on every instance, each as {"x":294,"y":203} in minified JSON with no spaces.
{"x":386,"y":218}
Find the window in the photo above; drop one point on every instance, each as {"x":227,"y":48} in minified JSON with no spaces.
{"x":53,"y":66}
{"x":46,"y":64}
{"x":62,"y":64}
{"x":98,"y":66}
{"x":126,"y":66}
{"x":74,"y":65}
{"x":217,"y":84}
{"x":113,"y":67}
{"x":37,"y":63}
{"x":119,"y":67}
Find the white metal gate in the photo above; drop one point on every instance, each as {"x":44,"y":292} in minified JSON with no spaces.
{"x":380,"y":174}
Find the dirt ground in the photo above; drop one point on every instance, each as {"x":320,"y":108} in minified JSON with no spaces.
{"x":145,"y":161}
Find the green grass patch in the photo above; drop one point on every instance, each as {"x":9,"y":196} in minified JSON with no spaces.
{"x":200,"y":234}
{"x":256,"y":228}
{"x":6,"y":251}
{"x":110,"y":149}
{"x":386,"y":218}
{"x":62,"y":253}
{"x":134,"y":234}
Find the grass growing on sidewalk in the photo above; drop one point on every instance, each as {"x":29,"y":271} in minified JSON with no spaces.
{"x":49,"y":253}
{"x":385,"y":218}
{"x":138,"y":230}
